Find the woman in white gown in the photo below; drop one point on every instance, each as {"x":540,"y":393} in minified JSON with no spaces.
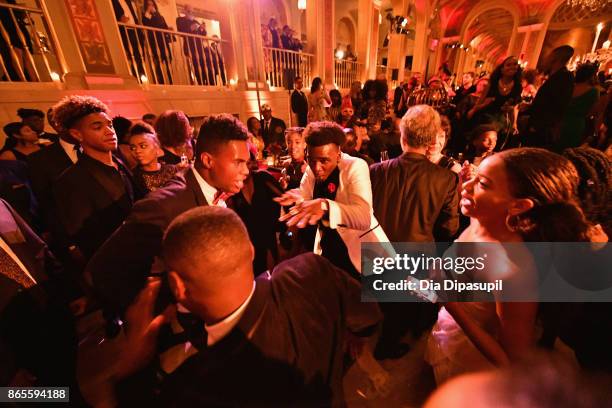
{"x":516,"y":196}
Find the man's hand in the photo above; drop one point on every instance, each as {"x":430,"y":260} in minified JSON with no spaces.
{"x":141,"y":330}
{"x":290,"y":197}
{"x":305,"y":213}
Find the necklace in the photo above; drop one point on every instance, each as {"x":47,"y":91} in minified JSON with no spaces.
{"x":505,"y":88}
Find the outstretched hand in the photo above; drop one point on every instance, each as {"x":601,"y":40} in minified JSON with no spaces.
{"x":304,"y":213}
{"x":290,"y":197}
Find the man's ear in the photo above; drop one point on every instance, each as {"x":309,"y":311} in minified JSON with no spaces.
{"x":252,"y":252}
{"x":177,"y":286}
{"x":76,"y":135}
{"x":520,"y":206}
{"x":207,"y":160}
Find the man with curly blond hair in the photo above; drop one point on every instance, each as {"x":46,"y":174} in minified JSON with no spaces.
{"x":94,"y":195}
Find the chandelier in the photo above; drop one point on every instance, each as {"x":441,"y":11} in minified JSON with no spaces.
{"x":592,"y":5}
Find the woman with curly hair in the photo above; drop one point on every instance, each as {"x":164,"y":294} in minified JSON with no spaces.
{"x":375,"y":104}
{"x":518,"y":195}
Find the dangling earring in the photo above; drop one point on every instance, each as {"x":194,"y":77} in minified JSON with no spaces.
{"x":512,"y":222}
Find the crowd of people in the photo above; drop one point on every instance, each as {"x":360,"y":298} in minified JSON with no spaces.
{"x":221,"y":267}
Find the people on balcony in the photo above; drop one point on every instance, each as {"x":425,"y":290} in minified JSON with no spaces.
{"x":159,"y":43}
{"x":18,"y":64}
{"x":193,"y":47}
{"x":132,"y":39}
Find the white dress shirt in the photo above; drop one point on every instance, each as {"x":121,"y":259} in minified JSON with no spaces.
{"x":209,"y":191}
{"x":69,"y":149}
{"x":219,"y":330}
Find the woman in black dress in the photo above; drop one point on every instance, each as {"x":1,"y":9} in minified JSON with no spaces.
{"x":499,"y":104}
{"x":21,"y":141}
{"x":158,"y":42}
{"x":175,"y":134}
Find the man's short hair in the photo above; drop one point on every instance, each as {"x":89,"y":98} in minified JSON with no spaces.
{"x":24,"y":113}
{"x":564,"y":53}
{"x":68,"y":111}
{"x":217,"y":130}
{"x":209,"y":235}
{"x":420,"y":126}
{"x":148,"y":116}
{"x":322,"y":133}
{"x":297,"y":77}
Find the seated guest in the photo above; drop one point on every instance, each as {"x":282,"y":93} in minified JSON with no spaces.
{"x":287,"y":328}
{"x":336,"y":195}
{"x":484,"y":140}
{"x":38,"y":340}
{"x":149,"y":118}
{"x":94,"y":195}
{"x":272,"y":129}
{"x":35,"y":119}
{"x":120,"y":267}
{"x":295,"y":167}
{"x":21,"y":141}
{"x":259,"y":212}
{"x":415,"y":201}
{"x":174,"y":133}
{"x":122,"y":130}
{"x":149,"y":174}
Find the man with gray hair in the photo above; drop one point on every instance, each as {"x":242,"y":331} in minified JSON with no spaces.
{"x":415,"y":201}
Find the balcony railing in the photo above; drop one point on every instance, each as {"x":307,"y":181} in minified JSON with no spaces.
{"x":346,"y":72}
{"x":27,"y":49}
{"x":166,"y":57}
{"x":283,"y":66}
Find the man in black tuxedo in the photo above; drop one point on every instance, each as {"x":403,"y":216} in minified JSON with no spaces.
{"x":272,"y":129}
{"x":299,"y":103}
{"x":45,"y":166}
{"x":37,"y":332}
{"x":94,"y":195}
{"x":277,"y":340}
{"x":547,"y":110}
{"x":120,"y":267}
{"x":415,"y":201}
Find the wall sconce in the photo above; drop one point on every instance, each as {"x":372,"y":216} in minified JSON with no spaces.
{"x":339,"y":54}
{"x":55,"y":76}
{"x":301,"y":5}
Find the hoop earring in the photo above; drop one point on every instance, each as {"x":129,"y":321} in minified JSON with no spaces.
{"x":512,"y":222}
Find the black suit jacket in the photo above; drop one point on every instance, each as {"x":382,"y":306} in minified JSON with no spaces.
{"x":45,"y":166}
{"x":120,"y":267}
{"x":299,"y":106}
{"x":288,"y":347}
{"x":36,"y":327}
{"x":414,"y":199}
{"x":275,"y":133}
{"x":91,"y":203}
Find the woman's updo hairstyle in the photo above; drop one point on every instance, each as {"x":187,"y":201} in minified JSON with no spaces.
{"x":550,"y":181}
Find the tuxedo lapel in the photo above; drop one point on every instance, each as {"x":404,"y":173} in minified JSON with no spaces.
{"x":194,"y":186}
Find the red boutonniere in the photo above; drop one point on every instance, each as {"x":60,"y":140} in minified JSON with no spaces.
{"x":331,"y":187}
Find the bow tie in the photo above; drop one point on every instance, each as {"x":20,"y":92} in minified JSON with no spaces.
{"x":220,"y":196}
